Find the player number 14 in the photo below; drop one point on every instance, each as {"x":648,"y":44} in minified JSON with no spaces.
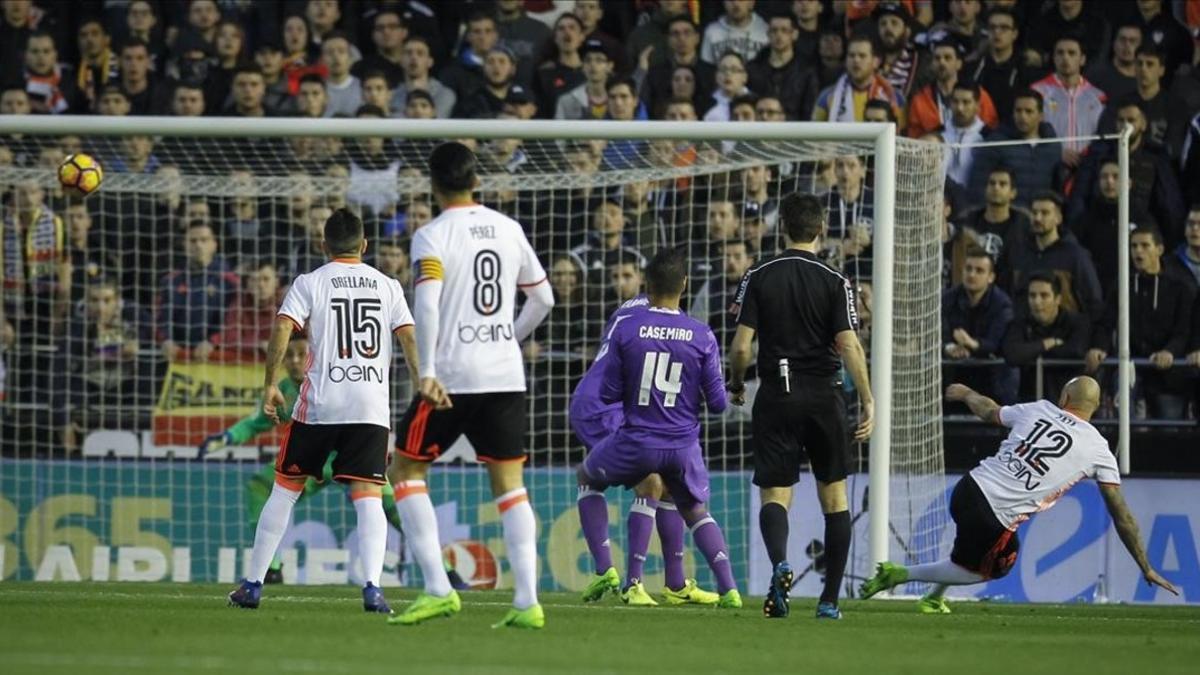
{"x":659,"y":373}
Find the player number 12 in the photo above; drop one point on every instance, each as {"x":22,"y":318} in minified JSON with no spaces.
{"x":659,"y":373}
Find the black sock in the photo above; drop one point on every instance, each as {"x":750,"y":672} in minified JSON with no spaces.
{"x":773,"y":522}
{"x":837,"y":551}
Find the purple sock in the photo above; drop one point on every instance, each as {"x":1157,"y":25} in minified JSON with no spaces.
{"x":670,"y":534}
{"x":593,"y":518}
{"x":639,"y":526}
{"x":707,"y":535}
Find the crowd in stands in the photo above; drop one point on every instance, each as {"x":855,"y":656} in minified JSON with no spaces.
{"x":1030,"y":225}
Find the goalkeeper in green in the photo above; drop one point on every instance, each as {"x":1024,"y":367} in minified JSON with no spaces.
{"x":258,"y":487}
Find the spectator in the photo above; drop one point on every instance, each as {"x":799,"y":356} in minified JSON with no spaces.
{"x":1000,"y":70}
{"x":50,"y":85}
{"x":17,"y":23}
{"x":1153,"y":188}
{"x":269,"y":59}
{"x":590,"y":13}
{"x":831,"y":53}
{"x":344,"y":89}
{"x":1046,"y":329}
{"x":1096,"y":227}
{"x":739,"y":30}
{"x":653,"y":32}
{"x":323,"y":17}
{"x":851,"y":215}
{"x":375,"y":160}
{"x":770,"y":109}
{"x":300,"y":53}
{"x":136,"y":156}
{"x":192,"y":301}
{"x":1116,"y":76}
{"x":249,"y":321}
{"x":605,"y":244}
{"x":731,"y":83}
{"x":808,"y":19}
{"x":522,"y":35}
{"x":230,"y":49}
{"x":312,"y":101}
{"x":930,"y":108}
{"x":36,"y":276}
{"x":1186,"y":257}
{"x":308,"y":255}
{"x":114,"y":102}
{"x":392,"y":259}
{"x":964,"y":27}
{"x":590,"y":99}
{"x":98,"y":65}
{"x":505,"y":155}
{"x":623,"y":106}
{"x":1074,"y":103}
{"x":722,"y":224}
{"x":97,"y":364}
{"x":499,"y":73}
{"x":574,"y":326}
{"x":464,"y":75}
{"x":1160,"y":322}
{"x":683,"y":42}
{"x":1032,"y":165}
{"x":520,"y":103}
{"x":846,"y":100}
{"x":964,"y":129}
{"x":1161,"y":29}
{"x":249,"y":92}
{"x":777,"y":72}
{"x":88,"y":253}
{"x":141,"y":22}
{"x":712,"y":301}
{"x":1149,"y":93}
{"x":245,"y":234}
{"x":1044,"y":248}
{"x":756,"y":190}
{"x":202,"y":19}
{"x":625,"y":282}
{"x":975,"y":317}
{"x":1067,"y":18}
{"x":417,"y":64}
{"x":997,"y":220}
{"x":388,"y":35}
{"x":146,"y":94}
{"x":562,"y":68}
{"x":903,"y":65}
{"x":375,"y":91}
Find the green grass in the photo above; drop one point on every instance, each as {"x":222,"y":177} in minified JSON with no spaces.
{"x":162,"y":628}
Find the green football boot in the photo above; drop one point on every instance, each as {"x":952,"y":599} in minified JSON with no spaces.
{"x":530,"y":617}
{"x":933,"y":605}
{"x":427,"y":607}
{"x":731,"y":600}
{"x":887,"y":575}
{"x":609,"y":582}
{"x":690,"y":594}
{"x":636,"y":596}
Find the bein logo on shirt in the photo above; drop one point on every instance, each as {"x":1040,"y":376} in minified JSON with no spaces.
{"x":659,"y":373}
{"x":484,"y":332}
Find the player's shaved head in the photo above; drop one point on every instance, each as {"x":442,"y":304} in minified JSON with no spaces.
{"x":1081,"y":396}
{"x":666,"y":275}
{"x":452,"y":168}
{"x":344,"y":233}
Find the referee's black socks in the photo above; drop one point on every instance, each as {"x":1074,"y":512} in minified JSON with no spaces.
{"x":837,"y":551}
{"x":773,"y":522}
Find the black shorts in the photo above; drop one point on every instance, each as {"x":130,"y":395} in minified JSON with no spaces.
{"x":494,"y":423}
{"x":982,"y":543}
{"x":811,"y":420}
{"x":361,"y":452}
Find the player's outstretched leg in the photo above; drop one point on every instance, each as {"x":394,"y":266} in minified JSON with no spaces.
{"x":372,"y":542}
{"x":272,"y":524}
{"x":887,"y":576}
{"x":593,"y":519}
{"x":942,"y":573}
{"x":420,"y":523}
{"x":711,"y":542}
{"x":678,"y":589}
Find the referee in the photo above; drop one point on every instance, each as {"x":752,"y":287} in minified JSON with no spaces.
{"x":803,"y":313}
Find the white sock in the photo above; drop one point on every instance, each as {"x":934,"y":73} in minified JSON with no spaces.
{"x":944,"y":572}
{"x":421,"y":533}
{"x":372,"y":536}
{"x":520,"y":541}
{"x":272,"y":524}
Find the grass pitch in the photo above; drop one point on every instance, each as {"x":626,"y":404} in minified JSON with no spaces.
{"x":163,"y":628}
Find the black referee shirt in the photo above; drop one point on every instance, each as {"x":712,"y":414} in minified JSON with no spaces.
{"x":796,"y":304}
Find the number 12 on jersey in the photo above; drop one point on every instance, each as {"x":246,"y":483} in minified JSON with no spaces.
{"x":659,"y":373}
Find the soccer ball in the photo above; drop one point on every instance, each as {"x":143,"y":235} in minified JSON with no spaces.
{"x":80,"y":173}
{"x":474,"y":562}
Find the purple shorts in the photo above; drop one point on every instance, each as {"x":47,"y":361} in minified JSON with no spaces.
{"x":591,"y":430}
{"x":617,"y":460}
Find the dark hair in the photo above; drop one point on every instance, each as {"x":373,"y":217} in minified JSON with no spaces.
{"x":1049,"y":196}
{"x":133,"y":42}
{"x":879,"y":104}
{"x":312,"y":78}
{"x":374,"y":73}
{"x":684,"y":18}
{"x":343,"y":232}
{"x":452,"y":168}
{"x":667,"y":272}
{"x":802,"y":216}
{"x":867,"y":38}
{"x":1073,"y":37}
{"x":1150,"y":49}
{"x":743,"y":99}
{"x":1132,"y":101}
{"x":1004,"y":11}
{"x":1150,"y":229}
{"x":39,"y":34}
{"x":252,"y":70}
{"x":414,"y":95}
{"x":789,"y":17}
{"x":337,"y":35}
{"x":102,"y":282}
{"x":967,"y":85}
{"x":369,"y":109}
{"x":618,"y":80}
{"x":1030,"y":93}
{"x":1004,"y":170}
{"x":980,"y":252}
{"x":1046,"y":278}
{"x":394,"y":12}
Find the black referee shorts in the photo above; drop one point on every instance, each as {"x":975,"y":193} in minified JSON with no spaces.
{"x":493,"y":422}
{"x":811,"y":420}
{"x":982,"y":544}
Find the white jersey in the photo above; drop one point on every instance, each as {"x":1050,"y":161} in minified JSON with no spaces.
{"x":350,"y":310}
{"x":1048,"y":451}
{"x":482,"y":257}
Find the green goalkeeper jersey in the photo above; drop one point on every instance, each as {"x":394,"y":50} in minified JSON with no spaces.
{"x":258,"y":422}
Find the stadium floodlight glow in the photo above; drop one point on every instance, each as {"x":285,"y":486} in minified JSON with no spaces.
{"x":906,"y":453}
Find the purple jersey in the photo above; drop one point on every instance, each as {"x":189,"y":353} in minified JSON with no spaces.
{"x":661,"y":365}
{"x":592,"y":419}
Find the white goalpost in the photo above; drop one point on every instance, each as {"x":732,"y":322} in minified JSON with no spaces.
{"x":228,"y":163}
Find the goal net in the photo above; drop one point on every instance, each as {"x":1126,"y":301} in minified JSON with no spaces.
{"x":138,"y":318}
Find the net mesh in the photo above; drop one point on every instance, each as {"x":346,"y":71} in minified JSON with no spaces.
{"x":137,"y":334}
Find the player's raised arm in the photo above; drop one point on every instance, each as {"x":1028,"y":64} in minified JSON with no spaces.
{"x":538,"y":297}
{"x":1127,"y":529}
{"x":981,"y":406}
